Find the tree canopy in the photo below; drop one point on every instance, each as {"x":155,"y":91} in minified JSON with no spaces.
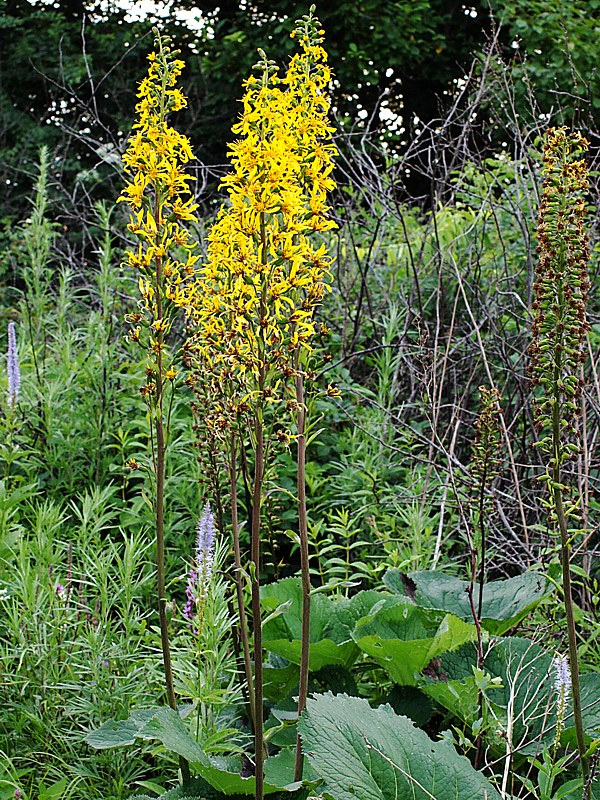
{"x":68,"y":70}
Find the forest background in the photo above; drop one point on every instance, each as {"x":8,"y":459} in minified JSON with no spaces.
{"x":440,"y":108}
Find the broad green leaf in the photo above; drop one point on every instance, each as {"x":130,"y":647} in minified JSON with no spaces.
{"x":404,"y":638}
{"x":196,"y":789}
{"x":166,"y":726}
{"x":280,"y":682}
{"x":528,"y":693}
{"x":322,"y":652}
{"x":374,"y":754}
{"x":505,"y":602}
{"x":119,"y":733}
{"x":346,"y":613}
{"x":594,"y":793}
{"x":590,"y":703}
{"x":452,"y":683}
{"x":224,"y":775}
{"x":199,"y":789}
{"x":331,"y":623}
{"x":409,"y":701}
{"x":279,"y":769}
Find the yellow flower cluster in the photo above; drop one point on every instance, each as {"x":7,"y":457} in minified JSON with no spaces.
{"x":255,"y":297}
{"x":160,"y":200}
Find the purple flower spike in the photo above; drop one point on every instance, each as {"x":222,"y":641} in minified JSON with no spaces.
{"x":562,"y":675}
{"x":200,"y":574}
{"x":14,"y":374}
{"x":205,"y":544}
{"x":189,"y":609}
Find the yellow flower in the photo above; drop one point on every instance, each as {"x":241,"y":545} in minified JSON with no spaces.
{"x":254,"y":299}
{"x":159,"y":197}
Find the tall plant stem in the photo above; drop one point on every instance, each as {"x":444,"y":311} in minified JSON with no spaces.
{"x":482,"y":542}
{"x":480,"y":659}
{"x":304,"y":563}
{"x":159,"y":464}
{"x":257,"y":494}
{"x":239,"y":588}
{"x":565,"y":556}
{"x":256,"y":618}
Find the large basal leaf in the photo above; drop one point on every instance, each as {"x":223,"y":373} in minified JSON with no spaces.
{"x":403,"y":638}
{"x":373,"y":754}
{"x":166,"y":726}
{"x":331,"y":623}
{"x":411,"y":702}
{"x":119,"y":733}
{"x":223,"y":775}
{"x":199,"y":789}
{"x":162,"y":724}
{"x":280,"y":682}
{"x":279,"y":769}
{"x":528,"y":693}
{"x":505,"y":602}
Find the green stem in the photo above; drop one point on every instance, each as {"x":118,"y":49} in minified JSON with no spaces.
{"x":480,"y":659}
{"x":160,"y":510}
{"x":239,"y":588}
{"x":565,"y":556}
{"x":304,"y":563}
{"x":259,"y":468}
{"x":256,"y":616}
{"x":481,"y":521}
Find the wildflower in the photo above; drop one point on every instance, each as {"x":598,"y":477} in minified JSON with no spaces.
{"x":487,"y":448}
{"x":264,"y":278}
{"x":159,"y":199}
{"x":199,"y":576}
{"x":284,"y":437}
{"x":14,"y":374}
{"x":557,"y":353}
{"x":561,"y":288}
{"x":189,"y":609}
{"x":4,"y":595}
{"x":61,"y":591}
{"x":205,"y":545}
{"x":562,"y":685}
{"x":562,"y":675}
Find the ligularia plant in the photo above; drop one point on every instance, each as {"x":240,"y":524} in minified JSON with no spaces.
{"x":559,"y":329}
{"x":251,"y":329}
{"x":254,"y":299}
{"x":160,"y":200}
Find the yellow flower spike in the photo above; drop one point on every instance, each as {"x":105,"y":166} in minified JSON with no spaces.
{"x":158,"y":194}
{"x":254,"y":299}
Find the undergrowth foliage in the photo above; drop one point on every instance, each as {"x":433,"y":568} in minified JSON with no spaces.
{"x":379,"y":599}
